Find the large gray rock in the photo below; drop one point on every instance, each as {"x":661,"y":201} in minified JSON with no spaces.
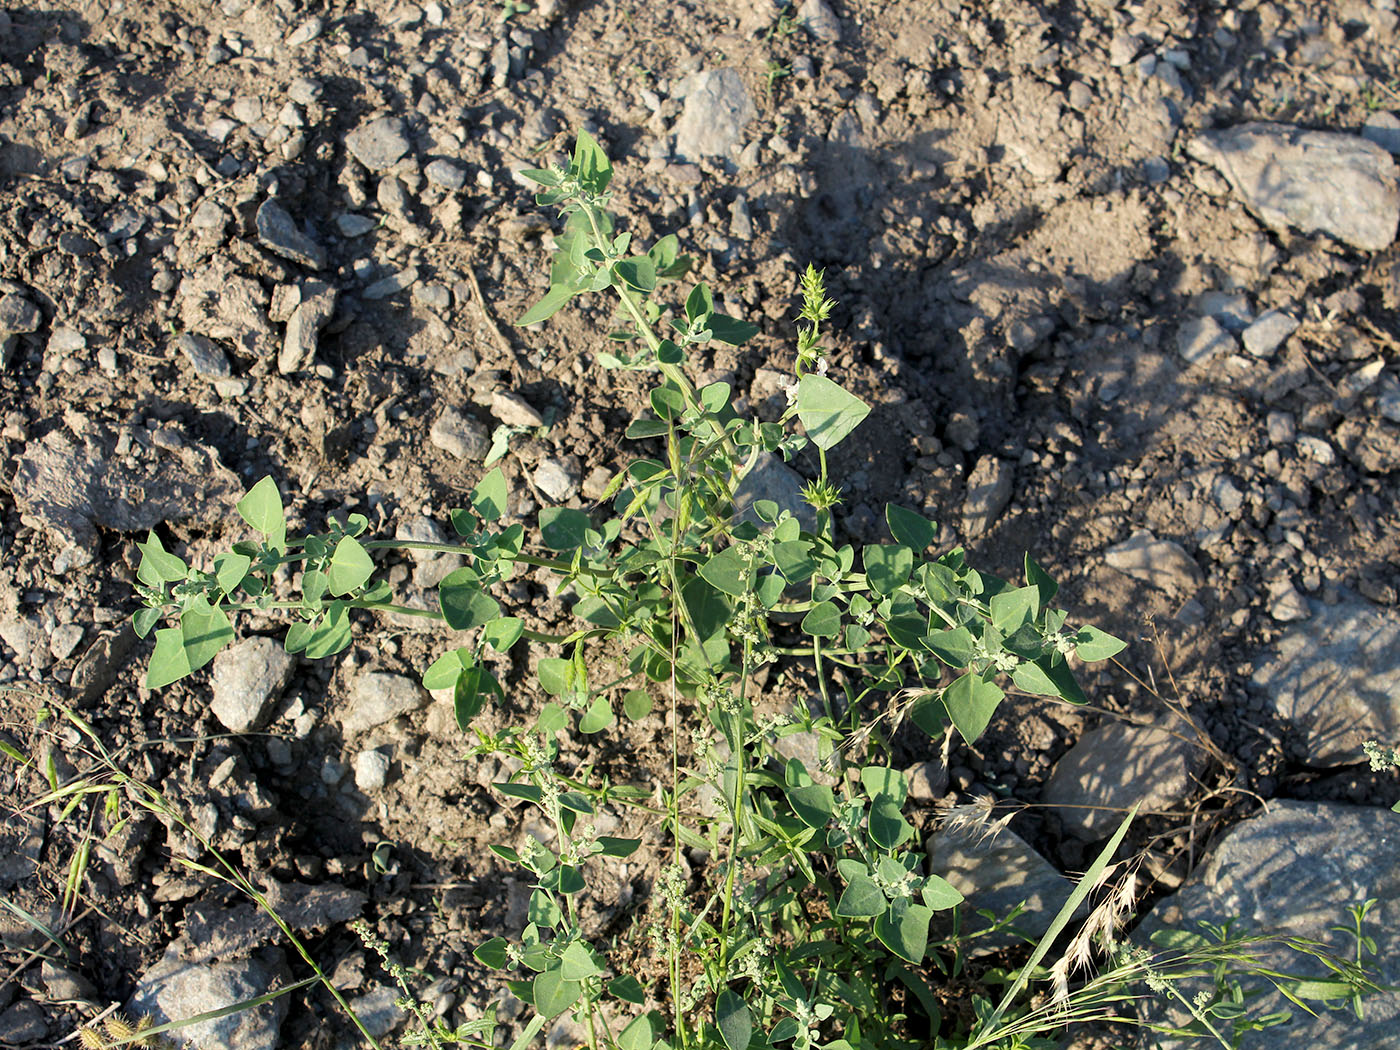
{"x":996,"y":875}
{"x":380,"y":144}
{"x":1336,"y":678}
{"x":378,"y":697}
{"x":717,"y":106}
{"x":1293,"y":872}
{"x":1314,"y":181}
{"x":174,"y":989}
{"x":1162,"y":563}
{"x":304,"y":326}
{"x":278,"y":231}
{"x":773,"y":479}
{"x":248,"y":679}
{"x":1113,"y":768}
{"x":988,"y":493}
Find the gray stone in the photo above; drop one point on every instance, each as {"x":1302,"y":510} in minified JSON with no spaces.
{"x":18,"y":315}
{"x":772,"y":479}
{"x":717,"y":106}
{"x":393,"y":284}
{"x":820,"y":21}
{"x":23,"y":1024}
{"x":248,"y":678}
{"x":1268,"y":333}
{"x":556,"y":479}
{"x":1388,"y":400}
{"x":1111,"y":769}
{"x":436,"y":297}
{"x":315,"y":310}
{"x":1314,"y":181}
{"x":208,"y":215}
{"x":1382,"y":128}
{"x":1292,"y":872}
{"x":1161,"y":563}
{"x":928,"y":781}
{"x":513,"y":410}
{"x":205,"y":356}
{"x":65,"y":639}
{"x":377,"y":697}
{"x":380,"y":144}
{"x":378,"y":1010}
{"x":98,"y":668}
{"x":461,"y":436}
{"x":1286,"y":604}
{"x":1336,"y":679}
{"x":304,"y":91}
{"x":278,"y":232}
{"x":996,"y":875}
{"x":1231,"y":309}
{"x":371,"y":770}
{"x":175,"y":989}
{"x":1202,"y":338}
{"x":445,"y":174}
{"x":214,"y":932}
{"x":988,"y":493}
{"x":21,"y":843}
{"x":1317,"y":449}
{"x":66,"y":341}
{"x":351,"y":225}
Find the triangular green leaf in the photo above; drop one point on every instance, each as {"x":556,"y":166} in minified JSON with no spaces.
{"x":828,"y":412}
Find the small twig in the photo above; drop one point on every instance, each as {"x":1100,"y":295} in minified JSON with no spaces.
{"x":505,"y":344}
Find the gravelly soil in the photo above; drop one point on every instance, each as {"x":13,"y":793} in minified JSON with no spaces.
{"x":1003,"y":199}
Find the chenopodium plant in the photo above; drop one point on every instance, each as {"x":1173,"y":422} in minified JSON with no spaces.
{"x":809,"y":922}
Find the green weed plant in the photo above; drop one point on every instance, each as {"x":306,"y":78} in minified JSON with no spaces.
{"x":810,"y":923}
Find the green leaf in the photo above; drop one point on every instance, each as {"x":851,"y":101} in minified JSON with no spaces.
{"x":887,"y":567}
{"x":823,"y":620}
{"x":940,"y":894}
{"x":543,"y":911}
{"x":638,"y":272}
{"x":1048,"y":677}
{"x":861,"y":899}
{"x":503,"y":632}
{"x":630,"y":990}
{"x":144,"y":619}
{"x":332,"y":633}
{"x":794,"y":559}
{"x":597,"y":718}
{"x":828,"y":412}
{"x":492,"y":953}
{"x":956,"y":648}
{"x":699,"y":304}
{"x":469,"y":694}
{"x":350,"y":567}
{"x":1092,"y":645}
{"x":261,"y":507}
{"x":591,"y":165}
{"x":204,"y":630}
{"x":443,"y":672}
{"x":157,"y":564}
{"x":490,"y":497}
{"x":230,"y":570}
{"x":888,"y":828}
{"x":168,"y":662}
{"x":883,"y":782}
{"x":563,"y":528}
{"x":904,"y":930}
{"x":727,"y":572}
{"x":909,"y":529}
{"x":1031,"y":678}
{"x":731,"y":330}
{"x":464,"y":604}
{"x":637,"y":704}
{"x":971,"y":701}
{"x":1041,"y":581}
{"x":646,"y":428}
{"x":554,"y":993}
{"x":814,"y":804}
{"x":618,"y":847}
{"x":578,"y":962}
{"x":1014,"y":608}
{"x":553,"y":673}
{"x":548,"y":305}
{"x":732,"y":1016}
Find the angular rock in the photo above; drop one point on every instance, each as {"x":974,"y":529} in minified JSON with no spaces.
{"x":393,"y":284}
{"x":23,"y":1024}
{"x":996,"y":874}
{"x":220,"y":303}
{"x":820,"y":21}
{"x":214,"y":932}
{"x":445,"y":174}
{"x":556,"y":480}
{"x":378,"y":697}
{"x":1313,"y":181}
{"x":1383,"y":128}
{"x":248,"y":678}
{"x":98,"y":668}
{"x":514,"y":411}
{"x":174,"y":989}
{"x":1162,"y":563}
{"x":371,"y":770}
{"x":279,"y":232}
{"x":988,"y":493}
{"x":204,"y":355}
{"x":1336,"y":679}
{"x":1116,"y":767}
{"x":1294,"y":871}
{"x":461,"y":436}
{"x":21,"y":843}
{"x":717,"y":106}
{"x":18,"y":315}
{"x":1267,"y":334}
{"x":315,"y":310}
{"x":351,"y":225}
{"x":380,"y":144}
{"x":1202,"y":338}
